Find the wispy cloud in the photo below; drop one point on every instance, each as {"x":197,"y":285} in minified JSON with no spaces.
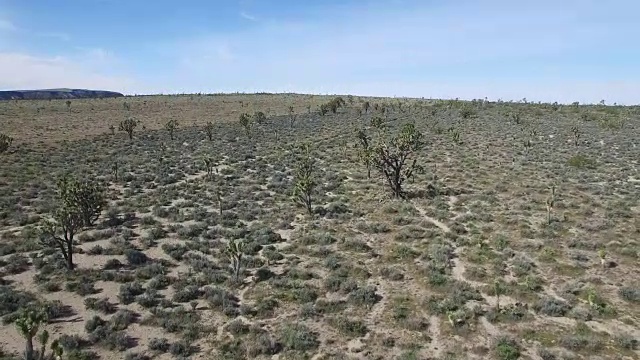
{"x":244,"y":15}
{"x":55,"y":35}
{"x":6,"y":25}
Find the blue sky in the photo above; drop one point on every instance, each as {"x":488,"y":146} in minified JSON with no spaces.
{"x":540,"y":50}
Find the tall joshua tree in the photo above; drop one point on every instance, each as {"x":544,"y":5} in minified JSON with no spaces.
{"x":304,"y":179}
{"x":79,"y":205}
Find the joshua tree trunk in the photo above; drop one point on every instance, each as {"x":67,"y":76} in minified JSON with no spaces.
{"x":28,"y":352}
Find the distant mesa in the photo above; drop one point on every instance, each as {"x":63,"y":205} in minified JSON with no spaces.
{"x":46,"y":94}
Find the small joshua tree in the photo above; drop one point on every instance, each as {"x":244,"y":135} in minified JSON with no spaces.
{"x":324,"y":109}
{"x":235,"y":251}
{"x":393,"y":158}
{"x":245,"y":122}
{"x":28,"y":324}
{"x":219,"y":198}
{"x":171,"y":127}
{"x":527,"y":145}
{"x":499,"y":289}
{"x":259,"y":117}
{"x":550,"y":202}
{"x":304,"y":179}
{"x":577,"y":133}
{"x":602,"y":253}
{"x":5,"y":142}
{"x":366,"y":106}
{"x":292,"y":116}
{"x":68,"y":102}
{"x":126,"y":106}
{"x":128,"y":126}
{"x":208,"y":129}
{"x":366,"y":152}
{"x":209,"y":165}
{"x":114,"y":170}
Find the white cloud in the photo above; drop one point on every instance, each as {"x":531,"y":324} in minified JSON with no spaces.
{"x":244,"y":15}
{"x":24,"y":71}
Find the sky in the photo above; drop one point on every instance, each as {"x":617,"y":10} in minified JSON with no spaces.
{"x":562,"y":50}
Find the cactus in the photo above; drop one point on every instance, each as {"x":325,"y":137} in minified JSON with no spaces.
{"x":171,"y":127}
{"x":128,"y":125}
{"x":208,"y":129}
{"x":235,"y":252}
{"x":304,"y":179}
{"x":5,"y":142}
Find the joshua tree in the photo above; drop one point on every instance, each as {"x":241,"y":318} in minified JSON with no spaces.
{"x":68,"y":102}
{"x":455,"y":136}
{"x":219,"y":197}
{"x":393,"y":158}
{"x":114,"y":170}
{"x":235,"y":252}
{"x":498,"y":288}
{"x":324,"y":109}
{"x":304,"y":179}
{"x":5,"y":142}
{"x":366,"y":152}
{"x":576,"y":135}
{"x":208,"y":129}
{"x":292,"y":116}
{"x":259,"y":117}
{"x":527,"y":145}
{"x":171,"y":127}
{"x":209,"y":164}
{"x":126,"y":106}
{"x":245,"y":122}
{"x":366,"y":106}
{"x":112,"y":129}
{"x":602,"y":253}
{"x":550,"y":202}
{"x":28,"y":324}
{"x":79,"y":205}
{"x":87,"y":196}
{"x":128,"y":125}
